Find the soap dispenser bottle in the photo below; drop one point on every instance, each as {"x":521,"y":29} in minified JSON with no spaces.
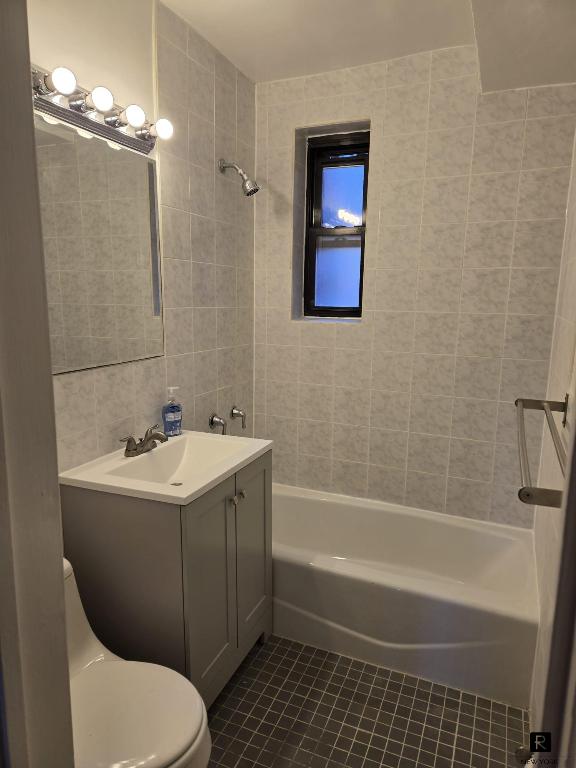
{"x":172,"y":415}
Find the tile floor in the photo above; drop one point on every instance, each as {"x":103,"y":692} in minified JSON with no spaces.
{"x":293,"y":705}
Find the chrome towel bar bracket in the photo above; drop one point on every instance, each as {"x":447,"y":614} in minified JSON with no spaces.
{"x":530,"y":494}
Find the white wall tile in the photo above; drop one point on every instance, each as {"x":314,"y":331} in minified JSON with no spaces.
{"x":548,"y":142}
{"x":184,"y":58}
{"x":350,"y":478}
{"x":453,"y":102}
{"x":501,"y":107}
{"x":442,"y":245}
{"x":445,"y":199}
{"x":465,"y":225}
{"x":409,"y":69}
{"x":388,"y":448}
{"x":485,"y":290}
{"x":406,"y":108}
{"x":454,"y":62}
{"x":471,"y":459}
{"x":542,"y":193}
{"x":538,"y":243}
{"x":489,"y":244}
{"x":386,"y":484}
{"x":449,"y":152}
{"x":425,"y":491}
{"x":468,"y":498}
{"x":498,"y":147}
{"x":474,"y":419}
{"x":428,"y":453}
{"x":493,"y":196}
{"x":481,"y":335}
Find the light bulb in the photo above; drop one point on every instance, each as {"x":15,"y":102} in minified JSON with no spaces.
{"x":162,"y":128}
{"x":62,"y":80}
{"x":134,"y":116}
{"x":101,"y":99}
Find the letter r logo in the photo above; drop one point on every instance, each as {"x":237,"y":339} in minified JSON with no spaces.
{"x":540,"y":741}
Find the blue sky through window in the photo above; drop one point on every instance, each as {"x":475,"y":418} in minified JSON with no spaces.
{"x":342,"y":196}
{"x":338,"y":272}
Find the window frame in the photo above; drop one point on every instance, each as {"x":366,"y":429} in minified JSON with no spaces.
{"x":320,"y":152}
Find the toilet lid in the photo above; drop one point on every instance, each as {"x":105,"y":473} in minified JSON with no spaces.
{"x":133,"y":715}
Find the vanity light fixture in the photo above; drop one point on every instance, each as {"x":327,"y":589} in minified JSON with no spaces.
{"x":100,"y":99}
{"x":162,"y":128}
{"x":133,"y":115}
{"x":61,"y":80}
{"x":58,"y":98}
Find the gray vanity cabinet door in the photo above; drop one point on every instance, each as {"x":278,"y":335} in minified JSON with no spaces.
{"x":253,"y":543}
{"x":209,"y":560}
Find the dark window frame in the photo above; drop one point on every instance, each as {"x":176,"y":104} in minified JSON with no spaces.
{"x":324,"y":151}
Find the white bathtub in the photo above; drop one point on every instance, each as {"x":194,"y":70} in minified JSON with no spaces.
{"x":448,"y":599}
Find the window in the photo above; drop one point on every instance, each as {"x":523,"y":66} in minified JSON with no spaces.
{"x":335,"y":224}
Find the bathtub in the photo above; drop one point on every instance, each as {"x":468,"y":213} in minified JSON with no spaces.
{"x":449,"y":599}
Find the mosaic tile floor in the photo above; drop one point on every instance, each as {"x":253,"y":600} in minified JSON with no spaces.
{"x":294,"y":705}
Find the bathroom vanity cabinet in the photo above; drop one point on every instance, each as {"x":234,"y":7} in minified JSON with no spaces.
{"x":189,"y":587}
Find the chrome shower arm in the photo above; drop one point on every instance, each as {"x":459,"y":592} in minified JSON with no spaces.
{"x":223,"y":164}
{"x":249,"y":186}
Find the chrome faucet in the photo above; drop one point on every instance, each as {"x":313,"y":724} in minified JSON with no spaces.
{"x":237,"y":413}
{"x":145,"y":444}
{"x":217,"y":421}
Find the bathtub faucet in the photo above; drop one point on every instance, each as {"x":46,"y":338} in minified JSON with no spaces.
{"x":217,"y":421}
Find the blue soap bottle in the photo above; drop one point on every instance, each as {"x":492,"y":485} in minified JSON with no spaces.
{"x":172,"y":415}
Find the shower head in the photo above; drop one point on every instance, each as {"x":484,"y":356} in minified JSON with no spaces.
{"x":249,"y":186}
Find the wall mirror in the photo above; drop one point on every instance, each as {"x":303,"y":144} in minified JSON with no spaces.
{"x":101,"y":249}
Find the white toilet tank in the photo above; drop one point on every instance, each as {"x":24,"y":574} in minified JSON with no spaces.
{"x":84,"y":648}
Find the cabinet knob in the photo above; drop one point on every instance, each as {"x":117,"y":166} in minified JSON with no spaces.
{"x":237,"y":498}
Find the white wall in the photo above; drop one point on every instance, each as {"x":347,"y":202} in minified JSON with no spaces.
{"x":453,"y":324}
{"x":549,"y":523}
{"x":34,"y":666}
{"x":207,"y":250}
{"x":108,"y":42}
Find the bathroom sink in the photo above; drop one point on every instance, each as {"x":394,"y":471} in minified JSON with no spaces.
{"x":177,"y":471}
{"x":189,"y":454}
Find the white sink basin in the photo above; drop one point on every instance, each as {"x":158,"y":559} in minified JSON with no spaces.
{"x":177,"y":471}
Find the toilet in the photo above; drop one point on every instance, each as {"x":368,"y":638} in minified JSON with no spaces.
{"x":128,"y":713}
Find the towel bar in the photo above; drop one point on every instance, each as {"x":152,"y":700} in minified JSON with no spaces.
{"x":530,"y":494}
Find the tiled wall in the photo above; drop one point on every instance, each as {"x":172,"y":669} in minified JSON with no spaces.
{"x":95,"y":220}
{"x":207,"y":262}
{"x":549,"y":522}
{"x":466,"y":206}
